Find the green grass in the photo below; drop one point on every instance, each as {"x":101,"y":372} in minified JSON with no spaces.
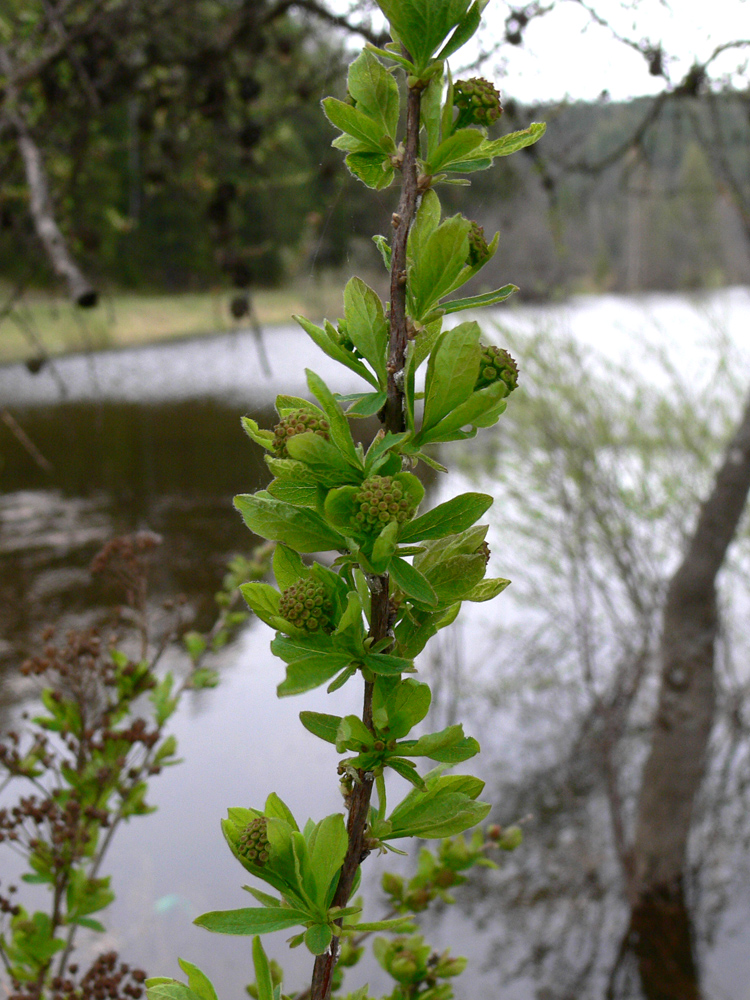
{"x":45,"y":324}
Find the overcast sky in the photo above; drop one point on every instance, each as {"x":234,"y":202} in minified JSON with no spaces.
{"x":564,"y":53}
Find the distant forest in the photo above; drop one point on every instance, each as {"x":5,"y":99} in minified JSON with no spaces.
{"x":587,"y":209}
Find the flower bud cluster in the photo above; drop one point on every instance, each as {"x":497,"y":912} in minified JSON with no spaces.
{"x":496,"y":364}
{"x":306,"y":605}
{"x":479,"y":252}
{"x":297,"y":422}
{"x":380,"y":500}
{"x":478,"y":102}
{"x":253,"y":842}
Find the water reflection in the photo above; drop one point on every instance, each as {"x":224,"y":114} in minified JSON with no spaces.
{"x":556,"y":916}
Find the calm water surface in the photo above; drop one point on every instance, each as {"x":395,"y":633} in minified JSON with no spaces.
{"x":150,"y":438}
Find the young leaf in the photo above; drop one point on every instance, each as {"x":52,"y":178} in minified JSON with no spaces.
{"x":447,"y":518}
{"x":486,"y":590}
{"x":287,"y":568}
{"x":160,"y":988}
{"x":370,"y":136}
{"x":340,"y":431}
{"x":299,"y":528}
{"x":324,"y":460}
{"x":334,"y":350}
{"x":264,"y":438}
{"x":198,"y":981}
{"x":327,"y":845}
{"x":263,"y":599}
{"x":318,"y":937}
{"x":411,"y":581}
{"x":367,"y":404}
{"x":263,"y":979}
{"x":373,"y":169}
{"x":310,"y":672}
{"x":366,"y":325}
{"x":451,"y":372}
{"x":442,"y":260}
{"x":454,"y":149}
{"x":479,"y":301}
{"x":252,"y":920}
{"x":405,"y":707}
{"x":321,"y":725}
{"x":374,"y":91}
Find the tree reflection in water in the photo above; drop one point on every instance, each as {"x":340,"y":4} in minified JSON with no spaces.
{"x":604,"y":475}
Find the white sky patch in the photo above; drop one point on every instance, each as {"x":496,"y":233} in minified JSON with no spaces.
{"x":566,"y":54}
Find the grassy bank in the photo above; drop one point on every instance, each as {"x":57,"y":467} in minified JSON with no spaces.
{"x":39,"y":324}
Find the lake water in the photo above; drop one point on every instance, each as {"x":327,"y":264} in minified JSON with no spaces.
{"x":150,"y":438}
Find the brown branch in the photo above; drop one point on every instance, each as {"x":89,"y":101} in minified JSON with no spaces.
{"x":394,"y":417}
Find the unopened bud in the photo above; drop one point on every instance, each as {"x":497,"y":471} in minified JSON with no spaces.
{"x":381,"y":499}
{"x":478,"y":102}
{"x":297,"y":422}
{"x":253,"y":844}
{"x":306,"y":605}
{"x":496,"y":364}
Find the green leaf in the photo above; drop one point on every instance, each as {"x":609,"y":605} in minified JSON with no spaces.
{"x":263,"y":599}
{"x":445,"y":809}
{"x":263,"y":979}
{"x":301,"y":529}
{"x":252,"y":920}
{"x":334,"y":350}
{"x":323,"y":459}
{"x":384,"y":547}
{"x":486,"y":590}
{"x":447,"y":518}
{"x":367,"y":404}
{"x":464,"y":31}
{"x":514,"y":141}
{"x":327,"y":845}
{"x":264,"y":438}
{"x":425,"y":223}
{"x":385,"y":250}
{"x":423,"y":25}
{"x":352,"y":616}
{"x":375,"y":91}
{"x":451,"y":372}
{"x":405,"y":707}
{"x":387,"y":665}
{"x":287,"y":567}
{"x":455,"y":148}
{"x":430,"y":108}
{"x":411,"y":581}
{"x":340,"y":431}
{"x":276,"y":808}
{"x":370,"y":135}
{"x":373,"y":169}
{"x":310,"y":672}
{"x":407,"y":769}
{"x":442,"y":260}
{"x":295,"y":493}
{"x":318,"y":937}
{"x":321,"y":725}
{"x":198,"y":981}
{"x":481,"y":409}
{"x":398,"y":925}
{"x":159,"y":988}
{"x":366,"y":325}
{"x":479,"y":301}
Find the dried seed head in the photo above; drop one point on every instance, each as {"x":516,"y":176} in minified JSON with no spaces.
{"x":496,"y":364}
{"x":297,"y":422}
{"x":306,"y":605}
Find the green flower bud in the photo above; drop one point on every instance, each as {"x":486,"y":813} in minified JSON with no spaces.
{"x":479,"y":252}
{"x":252,"y":844}
{"x":496,"y":364}
{"x":447,"y":966}
{"x":381,"y":499}
{"x":306,"y":605}
{"x":478,"y":102}
{"x":297,"y":422}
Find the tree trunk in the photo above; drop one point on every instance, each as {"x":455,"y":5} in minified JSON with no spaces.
{"x":676,"y":762}
{"x":80,"y":288}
